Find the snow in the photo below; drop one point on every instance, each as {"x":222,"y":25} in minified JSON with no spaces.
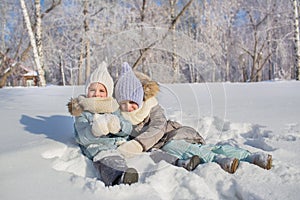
{"x":40,"y":160}
{"x":31,"y":73}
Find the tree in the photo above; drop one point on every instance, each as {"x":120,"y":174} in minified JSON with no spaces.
{"x":217,"y":33}
{"x":204,"y":40}
{"x":35,"y":47}
{"x":297,"y":39}
{"x":258,"y":54}
{"x":85,"y":48}
{"x":172,"y":25}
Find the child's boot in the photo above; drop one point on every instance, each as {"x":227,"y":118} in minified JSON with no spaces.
{"x":261,"y":159}
{"x":130,"y":176}
{"x":228,"y":164}
{"x":189,"y":164}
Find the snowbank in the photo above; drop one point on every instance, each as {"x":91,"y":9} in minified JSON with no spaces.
{"x":40,"y":160}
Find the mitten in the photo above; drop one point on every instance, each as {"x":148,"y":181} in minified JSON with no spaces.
{"x":113,"y":123}
{"x":99,"y":127}
{"x":130,"y":149}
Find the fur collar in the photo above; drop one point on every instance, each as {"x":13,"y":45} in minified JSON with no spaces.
{"x":94,"y":105}
{"x":151,"y":88}
{"x":138,"y":116}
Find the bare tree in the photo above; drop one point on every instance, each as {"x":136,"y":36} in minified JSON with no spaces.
{"x":152,"y":45}
{"x":257,"y":54}
{"x":7,"y":66}
{"x":157,"y":37}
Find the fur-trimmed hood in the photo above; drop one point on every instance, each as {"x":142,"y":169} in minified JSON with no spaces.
{"x":151,"y":89}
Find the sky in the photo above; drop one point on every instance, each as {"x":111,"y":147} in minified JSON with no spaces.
{"x":40,"y":160}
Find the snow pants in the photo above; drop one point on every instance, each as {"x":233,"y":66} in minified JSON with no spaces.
{"x":158,"y":155}
{"x":208,"y":152}
{"x":111,"y":169}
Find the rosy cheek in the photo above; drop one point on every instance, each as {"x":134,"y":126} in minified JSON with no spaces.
{"x":89,"y":95}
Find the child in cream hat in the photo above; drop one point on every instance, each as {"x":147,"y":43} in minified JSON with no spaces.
{"x":100,"y":128}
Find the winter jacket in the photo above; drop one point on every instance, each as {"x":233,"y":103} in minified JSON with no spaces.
{"x":150,"y":125}
{"x":84,"y":113}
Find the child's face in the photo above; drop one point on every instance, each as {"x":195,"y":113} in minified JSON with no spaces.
{"x":128,"y":106}
{"x":97,"y":90}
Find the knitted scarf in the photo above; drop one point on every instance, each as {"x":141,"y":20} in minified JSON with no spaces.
{"x":98,"y":105}
{"x":138,"y":116}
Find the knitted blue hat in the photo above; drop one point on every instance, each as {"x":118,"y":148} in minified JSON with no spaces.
{"x":129,"y":86}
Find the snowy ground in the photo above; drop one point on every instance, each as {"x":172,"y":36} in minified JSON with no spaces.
{"x":39,"y":159}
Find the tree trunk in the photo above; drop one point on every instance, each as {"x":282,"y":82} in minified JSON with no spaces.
{"x":174,"y":56}
{"x":85,"y":49}
{"x":227,"y":68}
{"x":41,"y":73}
{"x":62,"y":70}
{"x":245,"y":77}
{"x":87,"y":40}
{"x":297,"y":40}
{"x":192,"y":73}
{"x":38,"y":33}
{"x":80,"y":64}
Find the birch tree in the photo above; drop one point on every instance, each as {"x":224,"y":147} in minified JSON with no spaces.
{"x":297,"y":39}
{"x":37,"y":59}
{"x":173,"y":29}
{"x":84,"y":52}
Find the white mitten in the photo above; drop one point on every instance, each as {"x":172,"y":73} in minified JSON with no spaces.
{"x":113,"y":123}
{"x":130,"y":149}
{"x":99,"y":126}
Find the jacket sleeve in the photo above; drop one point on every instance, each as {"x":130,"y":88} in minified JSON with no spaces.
{"x":83,"y":128}
{"x":126,"y":126}
{"x":152,"y":132}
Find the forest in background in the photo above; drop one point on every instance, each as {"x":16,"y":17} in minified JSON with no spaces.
{"x":174,"y":41}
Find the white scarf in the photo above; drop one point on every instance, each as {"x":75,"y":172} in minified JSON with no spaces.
{"x":137,"y":116}
{"x":98,"y":105}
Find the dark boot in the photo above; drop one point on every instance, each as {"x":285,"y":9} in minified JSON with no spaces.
{"x":130,"y":176}
{"x":111,"y":169}
{"x":189,"y":164}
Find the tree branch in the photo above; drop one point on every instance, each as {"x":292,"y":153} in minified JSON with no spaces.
{"x":54,"y":4}
{"x":144,"y":53}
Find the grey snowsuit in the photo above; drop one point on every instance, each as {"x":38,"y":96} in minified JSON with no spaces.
{"x":155,"y":131}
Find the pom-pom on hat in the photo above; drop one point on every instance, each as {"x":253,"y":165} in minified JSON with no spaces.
{"x":129,"y":86}
{"x":101,"y":75}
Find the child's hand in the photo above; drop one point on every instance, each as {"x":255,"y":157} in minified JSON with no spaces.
{"x":99,"y":127}
{"x":113,"y":123}
{"x":130,"y":149}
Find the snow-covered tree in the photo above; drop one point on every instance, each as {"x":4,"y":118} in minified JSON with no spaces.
{"x":297,"y":39}
{"x":35,"y":41}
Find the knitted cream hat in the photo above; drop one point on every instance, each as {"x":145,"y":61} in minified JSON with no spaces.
{"x":129,"y":86}
{"x":101,"y":75}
